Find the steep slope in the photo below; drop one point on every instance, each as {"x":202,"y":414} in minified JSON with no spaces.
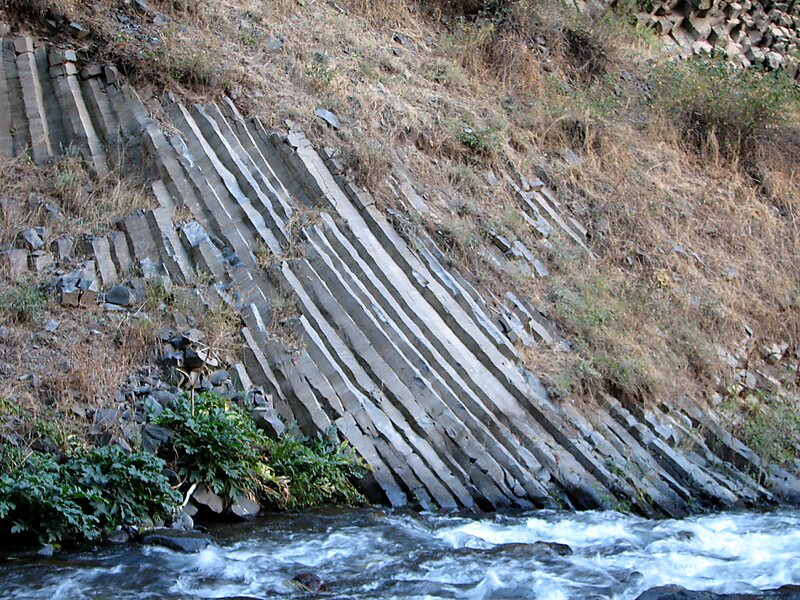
{"x":388,"y":346}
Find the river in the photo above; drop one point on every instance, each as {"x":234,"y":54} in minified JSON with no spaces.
{"x":371,"y":553}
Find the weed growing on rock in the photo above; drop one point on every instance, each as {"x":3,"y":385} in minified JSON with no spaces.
{"x":23,"y":302}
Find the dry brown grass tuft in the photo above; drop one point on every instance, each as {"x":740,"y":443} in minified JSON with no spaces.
{"x":84,"y":204}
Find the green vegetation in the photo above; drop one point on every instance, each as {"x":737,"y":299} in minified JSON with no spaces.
{"x":22,"y":302}
{"x":771,"y":427}
{"x":218,"y":444}
{"x":91,"y":492}
{"x":319,"y":471}
{"x":716,"y":103}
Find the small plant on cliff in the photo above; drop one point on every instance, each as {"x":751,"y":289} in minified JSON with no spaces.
{"x":218,"y":444}
{"x":90,"y":492}
{"x":720,"y":107}
{"x":319,"y":471}
{"x":22,"y":302}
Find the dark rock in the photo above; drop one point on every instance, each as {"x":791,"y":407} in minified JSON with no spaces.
{"x":219,"y":376}
{"x":400,"y":39}
{"x":171,"y":476}
{"x":121,"y":295}
{"x":153,"y":436}
{"x":118,"y":536}
{"x":79,"y":31}
{"x":560,"y":549}
{"x":165,"y":398}
{"x":180,"y":541}
{"x":310,"y":582}
{"x":676,"y":592}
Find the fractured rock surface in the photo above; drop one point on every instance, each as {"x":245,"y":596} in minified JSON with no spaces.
{"x":397,"y":353}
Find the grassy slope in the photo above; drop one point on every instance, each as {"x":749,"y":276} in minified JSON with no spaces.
{"x":694,"y":242}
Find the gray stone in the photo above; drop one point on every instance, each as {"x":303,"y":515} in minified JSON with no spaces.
{"x":244,"y":507}
{"x":267,"y":418}
{"x":41,"y":261}
{"x":51,"y":326}
{"x":219,"y":377}
{"x":205,"y":497}
{"x":327,"y":116}
{"x":33,"y":238}
{"x":17,"y":261}
{"x":78,"y":31}
{"x":118,"y":536}
{"x":121,"y":295}
{"x":275,"y":44}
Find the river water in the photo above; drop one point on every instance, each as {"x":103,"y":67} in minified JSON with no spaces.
{"x":371,"y":553}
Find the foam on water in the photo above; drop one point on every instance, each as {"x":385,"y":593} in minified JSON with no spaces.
{"x":372,"y":554}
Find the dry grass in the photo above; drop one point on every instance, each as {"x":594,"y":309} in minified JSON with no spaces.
{"x":83,"y":203}
{"x":691,"y":247}
{"x":50,"y":381}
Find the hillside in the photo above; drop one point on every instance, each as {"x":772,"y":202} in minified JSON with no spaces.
{"x":512,"y":252}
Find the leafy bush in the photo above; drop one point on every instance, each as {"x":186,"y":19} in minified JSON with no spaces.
{"x":133,"y":486}
{"x":713,"y":101}
{"x":91,"y":492}
{"x":218,"y":444}
{"x":319,"y":471}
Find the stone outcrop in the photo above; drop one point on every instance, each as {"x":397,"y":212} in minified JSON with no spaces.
{"x":750,"y":33}
{"x":387,"y":346}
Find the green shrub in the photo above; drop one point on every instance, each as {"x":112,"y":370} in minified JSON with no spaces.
{"x":134,"y":488}
{"x":772,"y":429}
{"x":319,"y":471}
{"x":91,"y":492}
{"x":23,"y":302}
{"x":218,"y":444}
{"x":711,"y":100}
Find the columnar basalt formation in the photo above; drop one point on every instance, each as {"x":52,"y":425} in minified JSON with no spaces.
{"x":748,"y":33}
{"x":387,"y":347}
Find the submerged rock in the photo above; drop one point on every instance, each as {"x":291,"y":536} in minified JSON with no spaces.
{"x":310,"y":582}
{"x":180,"y":541}
{"x":676,"y":592}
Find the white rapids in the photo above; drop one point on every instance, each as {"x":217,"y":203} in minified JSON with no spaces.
{"x":367,"y":553}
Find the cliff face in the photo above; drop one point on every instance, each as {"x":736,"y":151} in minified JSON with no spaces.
{"x":354,"y":325}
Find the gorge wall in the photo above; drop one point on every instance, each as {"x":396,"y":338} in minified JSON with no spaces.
{"x":351,"y":325}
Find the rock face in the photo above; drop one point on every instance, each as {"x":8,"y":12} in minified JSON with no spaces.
{"x":399,"y":354}
{"x":747,"y":32}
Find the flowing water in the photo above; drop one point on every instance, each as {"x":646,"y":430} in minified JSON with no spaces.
{"x":368,"y":553}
